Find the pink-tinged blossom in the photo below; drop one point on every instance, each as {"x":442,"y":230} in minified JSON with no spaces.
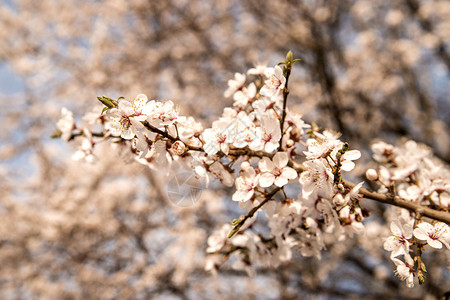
{"x":160,"y":113}
{"x":405,"y":270}
{"x":271,"y":135}
{"x":398,"y":241}
{"x":317,"y":180}
{"x":434,"y":235}
{"x":126,"y":120}
{"x":189,"y":131}
{"x":218,"y":137}
{"x":246,"y":184}
{"x":322,"y":145}
{"x":245,"y":132}
{"x":234,"y":84}
{"x":141,"y":142}
{"x":219,"y":171}
{"x":259,"y":69}
{"x":275,"y":171}
{"x":412,"y":192}
{"x":264,"y":107}
{"x":244,"y":96}
{"x":382,"y":152}
{"x":275,"y":83}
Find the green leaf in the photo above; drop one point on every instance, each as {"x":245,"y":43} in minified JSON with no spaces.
{"x":233,"y":232}
{"x":108,"y":102}
{"x":104,"y":109}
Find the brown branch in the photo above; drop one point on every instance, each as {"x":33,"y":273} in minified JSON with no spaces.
{"x":397,"y":201}
{"x":379,"y":197}
{"x":283,"y":117}
{"x":252,"y":212}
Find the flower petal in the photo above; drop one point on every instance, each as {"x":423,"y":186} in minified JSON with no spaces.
{"x":289,"y":173}
{"x":434,"y":243}
{"x":347,"y":165}
{"x":266,"y":180}
{"x":396,"y":228}
{"x":280,"y":159}
{"x":266,"y":165}
{"x":420,"y":234}
{"x":352,"y":154}
{"x":125,"y":107}
{"x":281,"y":181}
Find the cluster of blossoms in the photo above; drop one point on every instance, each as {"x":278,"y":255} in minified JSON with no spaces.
{"x":411,"y":171}
{"x":267,"y":151}
{"x":416,"y":174}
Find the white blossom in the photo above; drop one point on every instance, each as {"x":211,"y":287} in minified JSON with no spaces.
{"x":398,"y":241}
{"x":405,"y":270}
{"x":244,"y":96}
{"x":434,"y":235}
{"x":317,"y":180}
{"x":126,"y":120}
{"x":235,"y":84}
{"x":275,"y":83}
{"x":276,"y":171}
{"x":246,"y":184}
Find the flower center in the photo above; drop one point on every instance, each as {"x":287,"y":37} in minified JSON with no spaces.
{"x":277,"y":172}
{"x":221,"y":138}
{"x":125,"y":122}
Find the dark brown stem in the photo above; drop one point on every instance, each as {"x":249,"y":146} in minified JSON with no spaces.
{"x":252,"y":212}
{"x":283,"y":116}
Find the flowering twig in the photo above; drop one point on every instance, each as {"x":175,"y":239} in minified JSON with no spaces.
{"x":238,"y":223}
{"x":287,"y":72}
{"x":397,"y":201}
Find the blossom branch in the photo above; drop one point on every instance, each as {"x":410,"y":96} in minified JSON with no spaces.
{"x":287,"y":72}
{"x":238,"y":223}
{"x":397,"y":201}
{"x":379,"y":197}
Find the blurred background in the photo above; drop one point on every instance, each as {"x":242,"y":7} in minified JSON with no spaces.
{"x":72,"y":230}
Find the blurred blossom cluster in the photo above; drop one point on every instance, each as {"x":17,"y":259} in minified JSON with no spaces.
{"x":91,"y":218}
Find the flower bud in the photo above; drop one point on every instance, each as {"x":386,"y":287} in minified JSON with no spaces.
{"x":290,"y":143}
{"x":339,"y":200}
{"x":371,"y":174}
{"x":245,"y":165}
{"x":178,"y":148}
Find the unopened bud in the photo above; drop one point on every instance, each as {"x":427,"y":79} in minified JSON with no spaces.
{"x":421,"y":277}
{"x":371,"y":174}
{"x":178,"y":148}
{"x":245,"y":165}
{"x":339,"y":200}
{"x":289,"y":56}
{"x":290,"y":143}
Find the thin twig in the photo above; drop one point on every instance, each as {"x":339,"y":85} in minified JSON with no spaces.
{"x":283,"y":116}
